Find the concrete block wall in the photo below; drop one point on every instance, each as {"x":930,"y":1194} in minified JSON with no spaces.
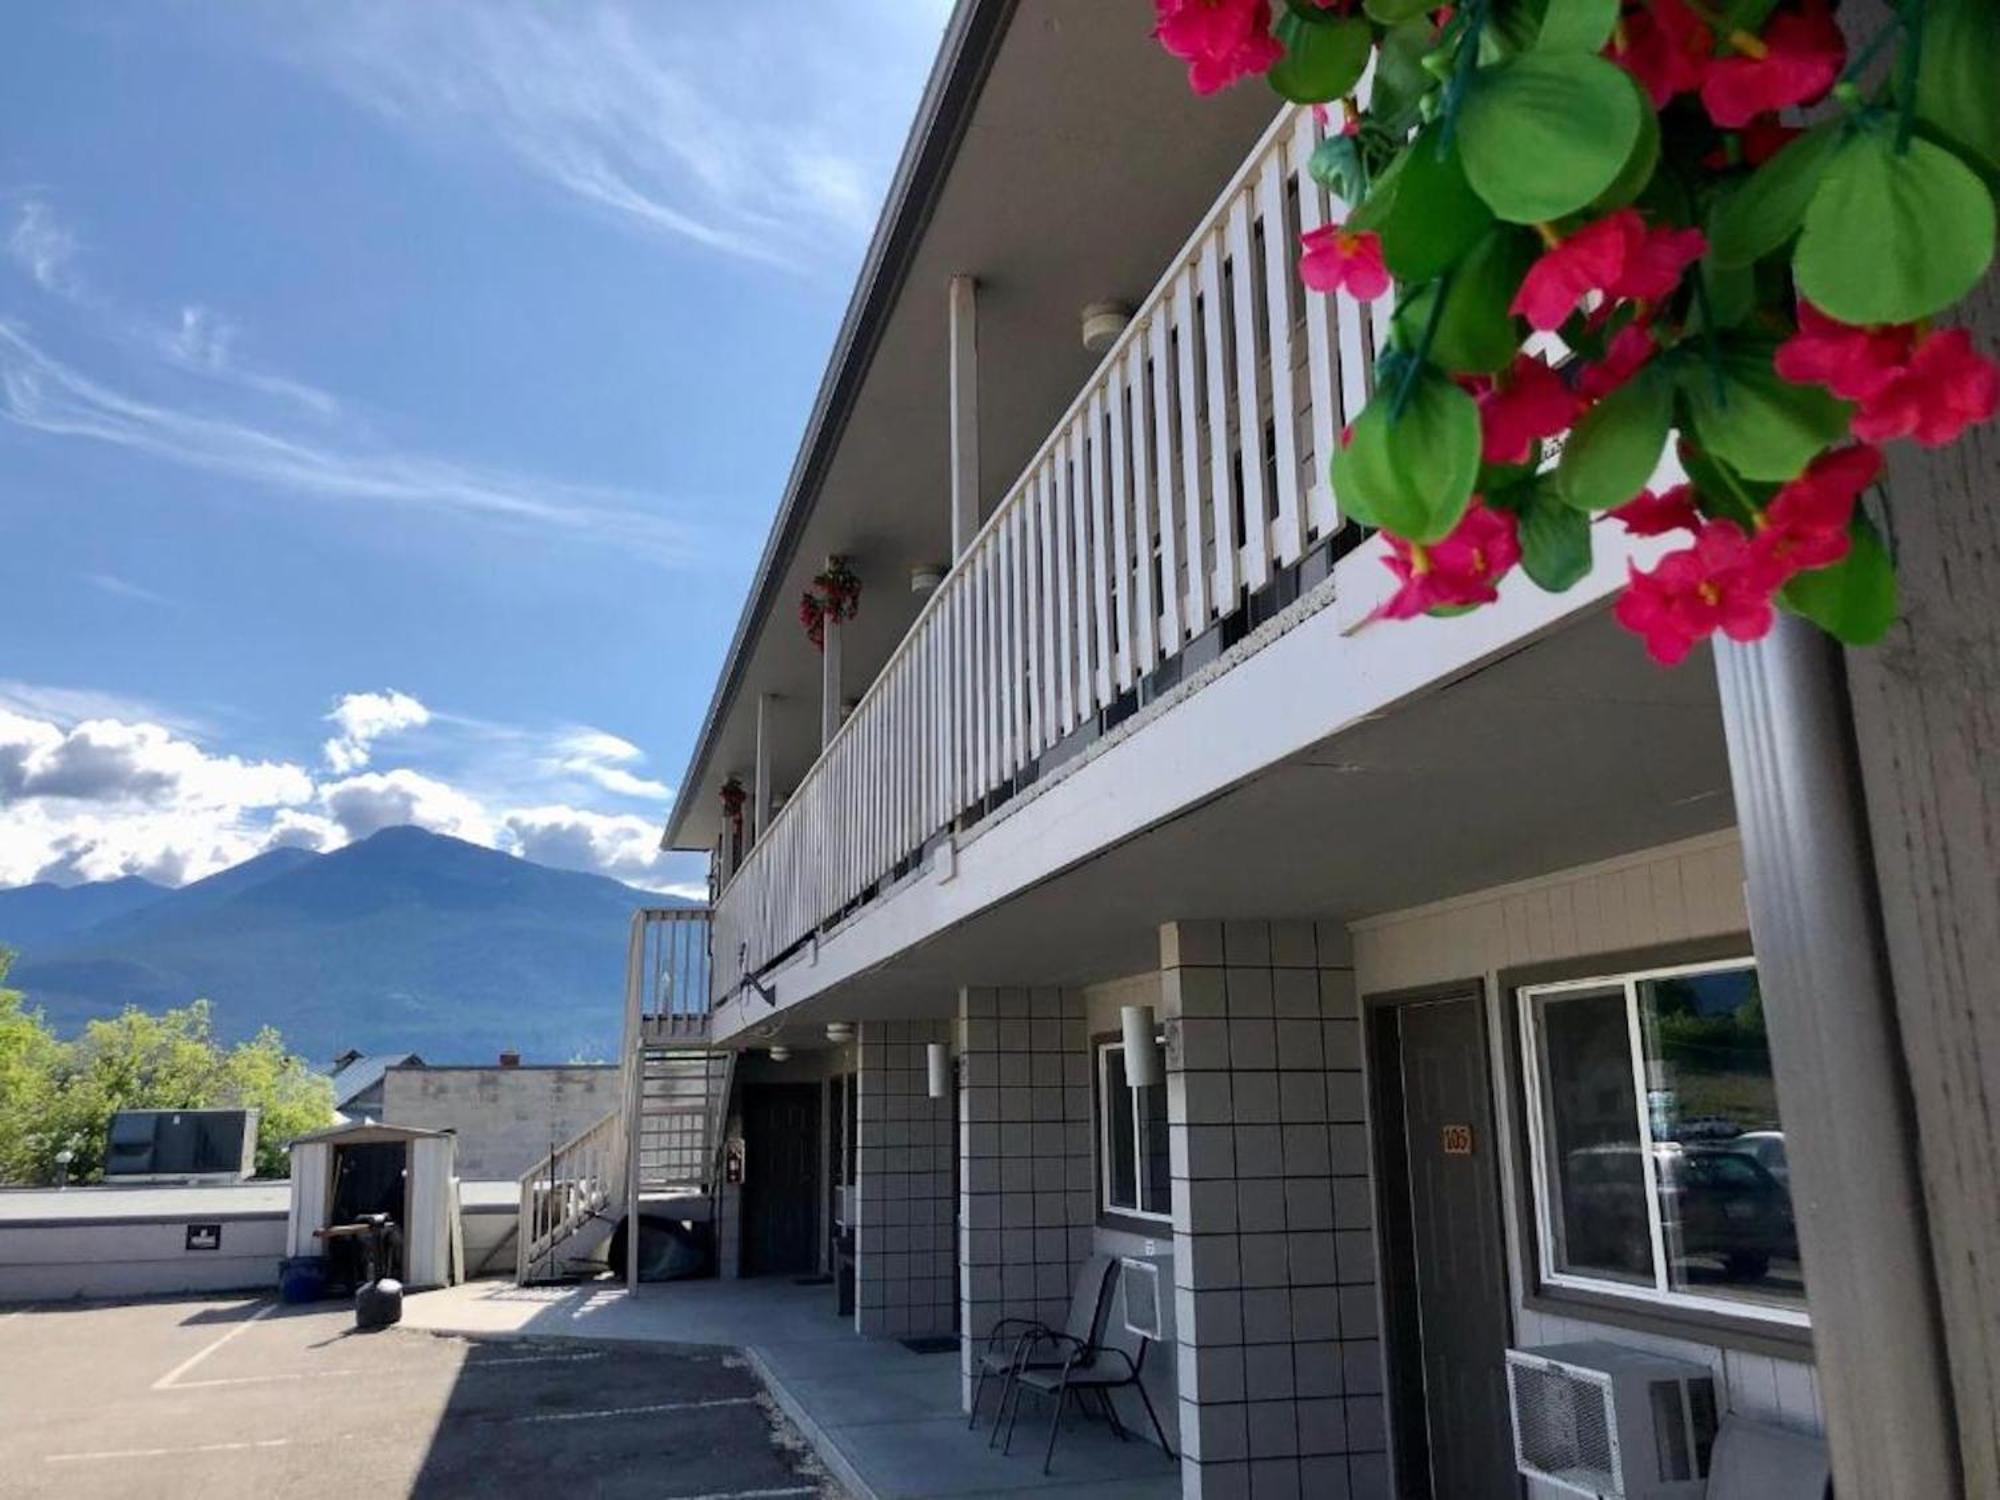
{"x":506,"y":1119}
{"x":1279,"y":1359}
{"x":1027,"y":1188}
{"x":905,"y":1275}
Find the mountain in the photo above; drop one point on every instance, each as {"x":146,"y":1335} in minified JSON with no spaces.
{"x":406,"y":941}
{"x":31,"y":916}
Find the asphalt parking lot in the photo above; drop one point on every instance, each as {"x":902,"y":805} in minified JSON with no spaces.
{"x":215,"y":1399}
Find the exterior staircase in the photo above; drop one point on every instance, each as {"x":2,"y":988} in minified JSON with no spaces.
{"x":664,"y":1140}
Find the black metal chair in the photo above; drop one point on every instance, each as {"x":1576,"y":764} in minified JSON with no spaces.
{"x":1059,"y":1365}
{"x":1009,"y":1341}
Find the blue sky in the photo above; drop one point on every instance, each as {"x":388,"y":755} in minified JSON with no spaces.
{"x":393,"y":398}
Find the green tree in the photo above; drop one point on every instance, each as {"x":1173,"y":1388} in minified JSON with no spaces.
{"x":55,"y":1094}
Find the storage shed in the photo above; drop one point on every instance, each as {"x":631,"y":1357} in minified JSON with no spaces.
{"x":344,"y":1172}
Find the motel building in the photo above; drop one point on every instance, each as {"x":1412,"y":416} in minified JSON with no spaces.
{"x":1499,"y":990}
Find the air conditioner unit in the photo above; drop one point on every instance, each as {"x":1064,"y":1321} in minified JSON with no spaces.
{"x":1600,"y":1419}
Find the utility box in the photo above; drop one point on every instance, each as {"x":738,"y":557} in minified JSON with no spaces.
{"x":181,"y":1145}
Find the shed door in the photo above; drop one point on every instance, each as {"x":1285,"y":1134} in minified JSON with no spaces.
{"x":1447,"y":1285}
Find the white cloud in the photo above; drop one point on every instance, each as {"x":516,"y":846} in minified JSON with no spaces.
{"x":364,"y":718}
{"x":43,"y":248}
{"x":44,"y":395}
{"x":375,"y":800}
{"x":124,"y":588}
{"x":205,"y":343}
{"x":605,"y":761}
{"x":756,"y":131}
{"x":620,"y":845}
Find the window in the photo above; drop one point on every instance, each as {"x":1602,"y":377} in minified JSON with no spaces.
{"x":1657,"y":1154}
{"x":1135,"y":1179}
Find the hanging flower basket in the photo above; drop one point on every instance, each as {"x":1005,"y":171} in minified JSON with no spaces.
{"x":835,"y":595}
{"x":1632,"y":178}
{"x":733,"y":799}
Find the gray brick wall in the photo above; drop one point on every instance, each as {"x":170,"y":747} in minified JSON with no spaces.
{"x":506,"y":1118}
{"x":1279,"y":1361}
{"x":1027,"y":1195}
{"x":905,"y":1276}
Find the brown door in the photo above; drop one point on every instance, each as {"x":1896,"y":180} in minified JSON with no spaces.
{"x":780,"y":1178}
{"x":1445,"y":1274}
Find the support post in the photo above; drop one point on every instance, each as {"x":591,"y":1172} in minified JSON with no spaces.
{"x":964,"y":382}
{"x":760,"y":788}
{"x":1843,"y":1085}
{"x":829,"y":683}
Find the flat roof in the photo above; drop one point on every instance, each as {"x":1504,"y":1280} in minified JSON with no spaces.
{"x":32,"y":1208}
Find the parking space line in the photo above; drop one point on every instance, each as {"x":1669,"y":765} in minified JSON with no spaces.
{"x":109,"y":1453}
{"x":281,"y":1376}
{"x":803,"y":1489}
{"x":639,"y":1411}
{"x":166,"y":1381}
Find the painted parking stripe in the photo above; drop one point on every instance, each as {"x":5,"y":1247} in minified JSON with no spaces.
{"x":641,"y":1411}
{"x":166,"y":1381}
{"x":803,"y":1489}
{"x":227,"y":1381}
{"x":112,"y":1453}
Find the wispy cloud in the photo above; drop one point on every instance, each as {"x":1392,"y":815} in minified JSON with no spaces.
{"x":124,"y":588}
{"x":43,"y":247}
{"x":754,"y":130}
{"x":44,"y":395}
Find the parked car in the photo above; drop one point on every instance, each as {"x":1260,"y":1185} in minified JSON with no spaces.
{"x":1724,"y":1203}
{"x":1767,"y":1149}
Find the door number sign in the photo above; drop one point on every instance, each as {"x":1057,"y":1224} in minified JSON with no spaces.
{"x":1458,"y":1140}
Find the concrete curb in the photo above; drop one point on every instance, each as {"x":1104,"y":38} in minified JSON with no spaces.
{"x":838,"y":1464}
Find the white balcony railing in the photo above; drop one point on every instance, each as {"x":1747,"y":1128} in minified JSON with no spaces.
{"x":1135,"y":529}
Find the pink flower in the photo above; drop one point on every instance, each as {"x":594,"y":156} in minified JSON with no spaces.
{"x":1220,"y":40}
{"x":1630,"y":348}
{"x":1722,"y":582}
{"x":1755,"y":144}
{"x":1805,"y":525}
{"x":1856,"y":364}
{"x":1331,"y":260}
{"x":1795,"y":62}
{"x":1528,"y":402}
{"x":1649,"y":514}
{"x":1463,"y":569}
{"x":1946,"y":387}
{"x":1665,"y":46}
{"x":1618,"y":255}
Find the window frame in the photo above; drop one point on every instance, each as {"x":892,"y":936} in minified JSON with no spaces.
{"x":1657,"y":1307}
{"x":1110,"y":1215}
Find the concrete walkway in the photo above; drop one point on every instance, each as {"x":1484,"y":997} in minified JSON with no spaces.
{"x":885,"y":1420}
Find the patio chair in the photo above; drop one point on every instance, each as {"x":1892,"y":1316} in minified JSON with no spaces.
{"x":1009,"y":1340}
{"x":1059,"y":1365}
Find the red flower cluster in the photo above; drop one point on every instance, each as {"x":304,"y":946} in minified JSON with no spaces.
{"x":1333,"y":259}
{"x":1670,"y":49}
{"x":1527,"y":402}
{"x":1930,"y":387}
{"x":835,"y":595}
{"x":1464,"y":569}
{"x":1726,"y":579}
{"x":1619,"y":255}
{"x":1220,"y":40}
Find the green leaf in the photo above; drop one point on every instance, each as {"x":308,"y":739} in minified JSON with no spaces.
{"x":1854,"y":600}
{"x":1614,"y":449}
{"x":1555,"y":539}
{"x":1546,"y":132}
{"x":1640,"y":166}
{"x":1732,"y":294}
{"x":1412,"y":475}
{"x":1746,"y":414}
{"x":1434,"y":218}
{"x":1766,"y":208}
{"x":1577,"y":25}
{"x":1724,"y":493}
{"x":1336,"y":165}
{"x":1511,"y":26}
{"x":1956,"y":76}
{"x":1476,"y":335}
{"x":1394,"y":12}
{"x":1401,"y":80}
{"x":1323,"y":60}
{"x":1892,"y":238}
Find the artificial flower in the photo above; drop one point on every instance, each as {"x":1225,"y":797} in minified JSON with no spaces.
{"x":1945,"y":387}
{"x":1629,"y":349}
{"x":1856,"y":364}
{"x":1332,"y":259}
{"x":1619,"y":255}
{"x":1665,"y":46}
{"x":1528,"y":402}
{"x":1648,"y":514}
{"x":1795,"y":61}
{"x":1221,"y":41}
{"x":1806,"y":524}
{"x":1655,"y":260}
{"x":1721,"y":582}
{"x":1463,"y":569}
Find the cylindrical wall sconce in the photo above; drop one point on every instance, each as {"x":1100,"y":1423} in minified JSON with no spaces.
{"x":1143,"y":1066}
{"x":780,"y":1053}
{"x":938,"y":1056}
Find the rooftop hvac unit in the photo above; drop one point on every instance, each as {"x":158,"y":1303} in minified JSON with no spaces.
{"x":1620,"y":1424}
